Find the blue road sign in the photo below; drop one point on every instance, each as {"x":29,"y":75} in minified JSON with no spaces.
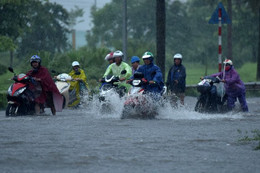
{"x":224,"y":15}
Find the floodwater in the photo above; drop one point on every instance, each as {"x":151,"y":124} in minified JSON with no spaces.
{"x":85,"y":140}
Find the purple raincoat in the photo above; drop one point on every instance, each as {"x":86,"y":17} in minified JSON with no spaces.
{"x":233,"y":85}
{"x":235,"y":88}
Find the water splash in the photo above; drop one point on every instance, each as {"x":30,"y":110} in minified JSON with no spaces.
{"x":187,"y":112}
{"x":165,"y":111}
{"x":111,"y":108}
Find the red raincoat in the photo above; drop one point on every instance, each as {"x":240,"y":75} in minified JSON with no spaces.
{"x":48,"y":86}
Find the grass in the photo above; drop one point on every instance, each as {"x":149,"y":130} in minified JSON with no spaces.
{"x":256,"y":137}
{"x":248,"y":72}
{"x":194,"y":71}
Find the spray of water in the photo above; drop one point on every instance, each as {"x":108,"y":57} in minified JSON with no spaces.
{"x":111,"y":107}
{"x":114,"y":105}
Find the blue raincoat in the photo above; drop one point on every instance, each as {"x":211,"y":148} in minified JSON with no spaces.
{"x":152,"y":73}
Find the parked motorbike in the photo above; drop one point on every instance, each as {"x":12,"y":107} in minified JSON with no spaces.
{"x":20,"y":98}
{"x":212,"y":97}
{"x":138,"y":103}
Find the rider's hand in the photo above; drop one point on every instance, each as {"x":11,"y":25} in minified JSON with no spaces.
{"x":152,"y":82}
{"x":122,"y":79}
{"x":78,"y":79}
{"x":37,"y":79}
{"x":130,"y":80}
{"x":144,"y":80}
{"x":201,"y":78}
{"x":223,"y":80}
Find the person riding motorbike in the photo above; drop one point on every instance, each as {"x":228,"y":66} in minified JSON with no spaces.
{"x":50,"y":93}
{"x":117,"y":68}
{"x":153,"y":75}
{"x":135,"y":61}
{"x":78,"y":84}
{"x":234,"y":86}
{"x":176,"y":81}
{"x":109,"y":57}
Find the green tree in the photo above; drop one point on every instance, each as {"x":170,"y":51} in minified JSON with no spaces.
{"x":6,"y":44}
{"x":107,"y":29}
{"x":48,"y":28}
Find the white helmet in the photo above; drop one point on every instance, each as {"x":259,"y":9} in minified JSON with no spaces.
{"x":177,"y":56}
{"x":109,"y":56}
{"x":75,"y":63}
{"x":228,"y":61}
{"x":118,"y":53}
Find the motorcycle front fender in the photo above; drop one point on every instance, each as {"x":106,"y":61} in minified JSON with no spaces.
{"x":11,"y":102}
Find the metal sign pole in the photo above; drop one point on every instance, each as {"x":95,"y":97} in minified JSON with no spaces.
{"x":219,"y":40}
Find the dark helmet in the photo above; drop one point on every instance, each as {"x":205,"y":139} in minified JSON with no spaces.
{"x":35,"y":58}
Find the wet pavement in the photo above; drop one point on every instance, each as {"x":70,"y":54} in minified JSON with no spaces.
{"x":84,"y":140}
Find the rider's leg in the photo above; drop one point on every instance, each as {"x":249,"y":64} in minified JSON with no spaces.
{"x":242,"y":101}
{"x":37,"y":109}
{"x":181,"y":97}
{"x":173,"y":99}
{"x":231,"y":102}
{"x":50,"y":103}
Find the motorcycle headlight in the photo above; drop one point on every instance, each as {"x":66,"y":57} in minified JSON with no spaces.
{"x":20,"y":91}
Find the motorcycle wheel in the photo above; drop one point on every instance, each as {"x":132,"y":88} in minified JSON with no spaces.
{"x":200,"y":105}
{"x":11,"y":110}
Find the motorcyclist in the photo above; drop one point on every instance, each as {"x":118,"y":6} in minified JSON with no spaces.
{"x":234,"y":86}
{"x":50,"y":93}
{"x":117,"y":68}
{"x":135,"y":61}
{"x":78,"y":84}
{"x":109,"y":57}
{"x":153,"y":75}
{"x":176,"y":81}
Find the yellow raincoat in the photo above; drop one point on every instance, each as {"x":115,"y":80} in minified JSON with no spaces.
{"x":75,"y":87}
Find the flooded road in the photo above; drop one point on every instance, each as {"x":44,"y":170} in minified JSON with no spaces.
{"x":84,"y":140}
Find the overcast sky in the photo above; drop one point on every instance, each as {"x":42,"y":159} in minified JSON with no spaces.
{"x":86,"y":6}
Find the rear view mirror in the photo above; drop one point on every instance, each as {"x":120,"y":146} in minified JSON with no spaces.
{"x":11,"y":69}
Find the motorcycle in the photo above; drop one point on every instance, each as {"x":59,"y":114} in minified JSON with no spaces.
{"x":63,"y":86}
{"x":109,"y":88}
{"x":72,"y":97}
{"x":138,"y":103}
{"x":212,"y":97}
{"x":20,"y":98}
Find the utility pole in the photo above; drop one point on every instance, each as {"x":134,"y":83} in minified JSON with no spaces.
{"x":125,"y":29}
{"x":229,"y":30}
{"x":73,"y":39}
{"x":160,"y":35}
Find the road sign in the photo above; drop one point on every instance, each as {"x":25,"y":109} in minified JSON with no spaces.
{"x":218,"y":17}
{"x":215,"y":16}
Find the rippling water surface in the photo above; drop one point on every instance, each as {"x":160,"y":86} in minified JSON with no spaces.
{"x":85,"y":140}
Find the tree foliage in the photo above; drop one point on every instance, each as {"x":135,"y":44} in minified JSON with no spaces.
{"x":34,"y":25}
{"x":187,"y":29}
{"x":48,"y":26}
